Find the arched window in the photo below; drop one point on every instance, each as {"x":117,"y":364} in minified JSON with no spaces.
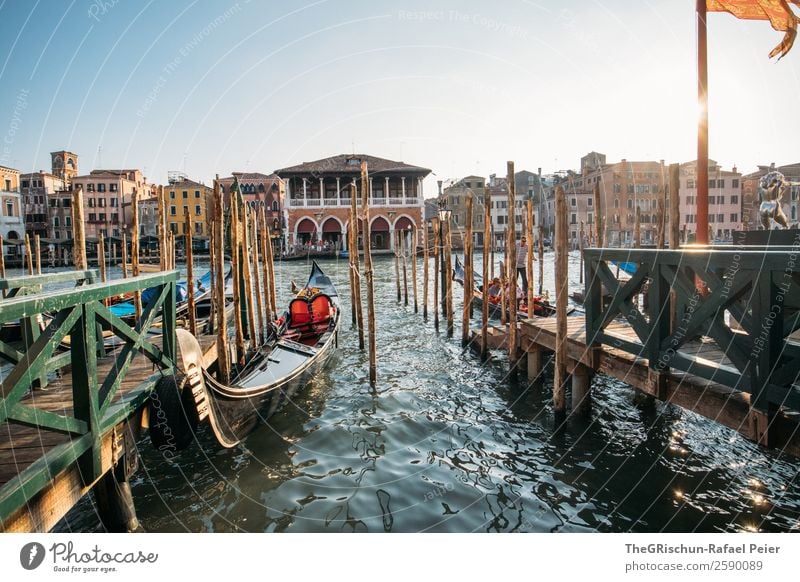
{"x":274,"y":206}
{"x":261,"y":188}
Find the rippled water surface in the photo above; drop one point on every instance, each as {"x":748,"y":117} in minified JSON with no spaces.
{"x":446,"y":444}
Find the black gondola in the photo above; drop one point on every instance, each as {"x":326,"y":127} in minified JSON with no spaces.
{"x":301,"y":343}
{"x":542,"y":307}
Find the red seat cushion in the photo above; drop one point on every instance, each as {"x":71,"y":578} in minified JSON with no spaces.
{"x":299,"y":311}
{"x":320,"y":308}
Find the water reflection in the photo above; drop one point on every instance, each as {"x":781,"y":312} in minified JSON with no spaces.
{"x":446,"y":444}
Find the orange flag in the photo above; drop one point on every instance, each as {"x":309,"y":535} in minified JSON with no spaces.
{"x":778,"y":13}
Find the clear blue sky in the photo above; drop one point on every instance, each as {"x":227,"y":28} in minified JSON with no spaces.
{"x":460,"y":87}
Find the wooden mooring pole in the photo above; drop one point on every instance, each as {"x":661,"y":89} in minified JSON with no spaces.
{"x":352,"y":251}
{"x":223,"y":361}
{"x":447,"y":273}
{"x":259,"y":304}
{"x":487,"y":244}
{"x":598,"y":217}
{"x":78,"y":230}
{"x":101,"y":256}
{"x":236,"y":268}
{"x":491,"y":246}
{"x":190,"y":274}
{"x":265,"y":243}
{"x":162,"y":230}
{"x":468,"y":277}
{"x":369,"y":276}
{"x":425,"y":241}
{"x":529,"y":266}
{"x":355,"y":263}
{"x":436,"y":234}
{"x":2,"y":262}
{"x":137,"y":295}
{"x":397,"y":264}
{"x":511,"y":269}
{"x":413,"y":259}
{"x":28,"y":254}
{"x":247,"y":241}
{"x":403,"y":251}
{"x":561,"y":252}
{"x":541,"y":257}
{"x":124,"y":255}
{"x":580,"y":250}
{"x":38,"y":247}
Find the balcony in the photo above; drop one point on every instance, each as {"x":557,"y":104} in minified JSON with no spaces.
{"x":345,"y":202}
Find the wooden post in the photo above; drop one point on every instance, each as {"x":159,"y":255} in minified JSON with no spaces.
{"x":491,"y":249}
{"x":236,"y":267}
{"x":448,"y":276}
{"x":259,"y":305}
{"x":273,"y":293}
{"x":162,"y":229}
{"x":580,"y":250}
{"x":2,"y":261}
{"x":29,"y":254}
{"x":559,"y":381}
{"x":541,"y":257}
{"x":352,"y":250}
{"x":637,"y":229}
{"x":674,"y":206}
{"x":581,"y":389}
{"x":265,"y":242}
{"x":487,"y":245}
{"x":503,"y":292}
{"x":369,"y":274}
{"x":425,"y":271}
{"x":124,"y":255}
{"x":436,"y":233}
{"x":598,"y":216}
{"x":511,"y":268}
{"x":397,"y":264}
{"x":405,"y":268}
{"x":248,"y":280}
{"x":355,"y":265}
{"x":529,"y":266}
{"x":137,"y":296}
{"x":701,"y":237}
{"x":101,"y":256}
{"x":190,"y":275}
{"x":223,"y":362}
{"x":38,"y":246}
{"x":78,"y":232}
{"x":465,"y":316}
{"x":413,"y":258}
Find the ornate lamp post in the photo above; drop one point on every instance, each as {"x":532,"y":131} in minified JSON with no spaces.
{"x":444,"y":216}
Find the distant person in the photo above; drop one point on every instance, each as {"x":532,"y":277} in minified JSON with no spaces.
{"x":522,"y":261}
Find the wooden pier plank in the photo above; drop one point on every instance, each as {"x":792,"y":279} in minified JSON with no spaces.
{"x":721,"y":404}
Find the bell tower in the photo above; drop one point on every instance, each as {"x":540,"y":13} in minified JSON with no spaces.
{"x":64,"y":164}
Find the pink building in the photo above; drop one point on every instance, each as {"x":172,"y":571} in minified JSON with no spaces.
{"x":724,"y":200}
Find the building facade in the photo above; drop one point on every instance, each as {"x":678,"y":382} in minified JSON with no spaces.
{"x":39,"y":200}
{"x":455,"y":197}
{"x":261,"y":191}
{"x":185,"y":196}
{"x":11,"y":225}
{"x":107,"y":199}
{"x":724,"y":201}
{"x":318,"y":200}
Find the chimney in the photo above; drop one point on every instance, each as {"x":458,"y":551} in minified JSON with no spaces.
{"x":540,"y":172}
{"x":772,"y":166}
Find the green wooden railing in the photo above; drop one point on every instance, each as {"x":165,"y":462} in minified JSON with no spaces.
{"x":96,"y":405}
{"x":745,"y":299}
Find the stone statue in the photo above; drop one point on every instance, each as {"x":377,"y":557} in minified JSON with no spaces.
{"x":771,"y":189}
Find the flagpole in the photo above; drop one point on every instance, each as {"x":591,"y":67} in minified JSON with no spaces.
{"x":701,"y":235}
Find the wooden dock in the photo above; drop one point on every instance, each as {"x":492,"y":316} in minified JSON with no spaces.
{"x":69,"y":418}
{"x":702,"y":396}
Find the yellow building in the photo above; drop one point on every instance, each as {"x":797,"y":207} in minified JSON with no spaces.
{"x":184,"y":197}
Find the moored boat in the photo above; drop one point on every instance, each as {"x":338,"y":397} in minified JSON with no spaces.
{"x":300,"y":344}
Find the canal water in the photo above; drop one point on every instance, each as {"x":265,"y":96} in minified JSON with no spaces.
{"x":446,"y":444}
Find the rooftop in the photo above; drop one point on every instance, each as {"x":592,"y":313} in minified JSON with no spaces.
{"x":351,"y":164}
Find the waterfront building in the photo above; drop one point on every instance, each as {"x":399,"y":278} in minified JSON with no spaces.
{"x":107,"y":199}
{"x":455,"y":197}
{"x":318,"y":199}
{"x":11,"y":226}
{"x":261,"y":191}
{"x":184,"y":196}
{"x":38,"y":192}
{"x":724,"y":200}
